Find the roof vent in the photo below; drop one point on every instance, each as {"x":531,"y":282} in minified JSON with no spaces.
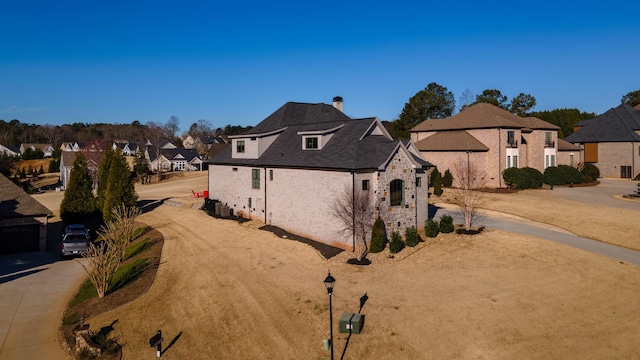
{"x":337,"y":103}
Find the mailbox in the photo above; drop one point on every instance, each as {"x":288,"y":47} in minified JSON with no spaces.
{"x":351,"y":323}
{"x":156,"y":339}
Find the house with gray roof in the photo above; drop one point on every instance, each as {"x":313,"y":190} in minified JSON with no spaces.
{"x":492,"y":139}
{"x":23,"y":220}
{"x":289,"y":169}
{"x":173,"y":159}
{"x":611,"y":141}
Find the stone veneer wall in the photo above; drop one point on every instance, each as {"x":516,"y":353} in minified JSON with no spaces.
{"x":398,"y":218}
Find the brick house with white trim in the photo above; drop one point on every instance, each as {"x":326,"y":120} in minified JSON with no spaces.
{"x":288,"y":169}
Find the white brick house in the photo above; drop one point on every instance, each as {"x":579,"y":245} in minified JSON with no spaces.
{"x":288,"y":170}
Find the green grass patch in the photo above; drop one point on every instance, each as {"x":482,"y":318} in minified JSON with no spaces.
{"x":86,"y":292}
{"x":128,"y":273}
{"x":139,"y":231}
{"x":137,"y":248}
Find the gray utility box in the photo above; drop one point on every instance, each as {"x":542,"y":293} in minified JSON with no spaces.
{"x":224,"y":211}
{"x":217,"y":208}
{"x":350,"y":322}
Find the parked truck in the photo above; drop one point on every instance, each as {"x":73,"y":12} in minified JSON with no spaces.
{"x":75,"y":240}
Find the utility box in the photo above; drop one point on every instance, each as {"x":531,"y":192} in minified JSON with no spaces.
{"x":351,"y":323}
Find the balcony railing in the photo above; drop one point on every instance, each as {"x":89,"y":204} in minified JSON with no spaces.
{"x":549,"y":144}
{"x":512,"y":144}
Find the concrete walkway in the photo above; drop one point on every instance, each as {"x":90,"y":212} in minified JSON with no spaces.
{"x":34,"y":287}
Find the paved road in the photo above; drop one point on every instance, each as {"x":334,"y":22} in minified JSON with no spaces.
{"x":602,"y":194}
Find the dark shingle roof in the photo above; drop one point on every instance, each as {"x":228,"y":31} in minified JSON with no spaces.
{"x":616,"y":125}
{"x":483,"y":116}
{"x":14,"y":202}
{"x":170,"y":154}
{"x":348,"y":148}
{"x":293,"y":113}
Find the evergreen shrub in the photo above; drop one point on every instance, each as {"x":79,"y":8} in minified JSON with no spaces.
{"x":411,"y":236}
{"x":431,"y":228}
{"x":378,"y":242}
{"x":396,"y":244}
{"x":446,"y":224}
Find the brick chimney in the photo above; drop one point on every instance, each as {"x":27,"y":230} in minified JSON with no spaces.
{"x":337,"y":103}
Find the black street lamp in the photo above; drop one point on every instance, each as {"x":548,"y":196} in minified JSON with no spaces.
{"x":328,"y":283}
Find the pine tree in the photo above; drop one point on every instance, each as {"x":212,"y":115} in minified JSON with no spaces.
{"x":103,"y":178}
{"x":120,"y":189}
{"x":78,"y":201}
{"x":377,"y":236}
{"x":437,"y":182}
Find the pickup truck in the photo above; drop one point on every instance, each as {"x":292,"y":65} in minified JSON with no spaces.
{"x":75,"y":240}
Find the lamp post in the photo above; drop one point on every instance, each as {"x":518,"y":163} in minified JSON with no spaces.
{"x":328,"y":283}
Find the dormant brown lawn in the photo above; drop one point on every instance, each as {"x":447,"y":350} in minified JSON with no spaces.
{"x":229,"y":291}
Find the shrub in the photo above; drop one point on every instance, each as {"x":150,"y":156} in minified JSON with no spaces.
{"x":570,"y":175}
{"x":396,"y":244}
{"x":411,"y":236}
{"x":447,"y":179}
{"x":514,"y":178}
{"x":590,"y":170}
{"x":434,"y":173}
{"x":534,"y":178}
{"x":431,"y":228}
{"x":522,"y":178}
{"x":446,"y":224}
{"x":378,"y":242}
{"x":553,"y":176}
{"x":437,"y":182}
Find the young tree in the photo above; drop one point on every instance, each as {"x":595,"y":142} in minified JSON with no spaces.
{"x":378,"y":241}
{"x":433,"y":102}
{"x":78,"y":201}
{"x":7,"y":163}
{"x":120,"y":189}
{"x":118,"y":231}
{"x":469,"y":178}
{"x":103,"y":261}
{"x":355,"y":211}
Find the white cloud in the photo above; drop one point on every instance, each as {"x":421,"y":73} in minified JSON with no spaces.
{"x":17,"y":109}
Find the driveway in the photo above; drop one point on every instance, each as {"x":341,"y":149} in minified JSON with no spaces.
{"x":34,"y":287}
{"x":602,"y":194}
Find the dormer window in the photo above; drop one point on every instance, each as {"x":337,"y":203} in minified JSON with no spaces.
{"x":311,"y":143}
{"x":240,"y":146}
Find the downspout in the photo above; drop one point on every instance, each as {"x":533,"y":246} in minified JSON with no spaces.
{"x":353,"y":209}
{"x":500,"y":150}
{"x":265,"y":196}
{"x":415,"y":186}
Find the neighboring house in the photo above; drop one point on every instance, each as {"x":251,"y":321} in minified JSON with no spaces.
{"x":188,"y":142}
{"x":203,"y":143}
{"x":47,"y":149}
{"x":71,"y":146}
{"x":23,"y":220}
{"x":93,"y":160}
{"x":569,"y":154}
{"x":289,"y":169}
{"x":175,"y":159}
{"x":491,"y":139}
{"x":128,"y":148}
{"x":611,"y":141}
{"x":9,"y":150}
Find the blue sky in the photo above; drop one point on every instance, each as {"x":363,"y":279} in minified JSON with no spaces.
{"x":235,"y":62}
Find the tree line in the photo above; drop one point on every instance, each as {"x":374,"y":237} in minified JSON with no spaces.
{"x":436,"y":102}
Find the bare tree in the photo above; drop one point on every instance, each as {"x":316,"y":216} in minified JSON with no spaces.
{"x":466,"y":99}
{"x":468,"y":178}
{"x":356,"y":212}
{"x":118,"y":232}
{"x":156,"y":134}
{"x":52,"y":133}
{"x":103,"y":263}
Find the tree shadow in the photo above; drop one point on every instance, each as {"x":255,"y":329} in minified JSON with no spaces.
{"x":106,"y":330}
{"x":150,"y":205}
{"x":175,"y":339}
{"x":432,"y":210}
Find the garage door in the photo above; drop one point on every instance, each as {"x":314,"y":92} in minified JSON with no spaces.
{"x":17,"y":239}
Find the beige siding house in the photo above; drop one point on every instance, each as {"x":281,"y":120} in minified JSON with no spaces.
{"x":287,"y":171}
{"x":490,"y":138}
{"x":611,"y":141}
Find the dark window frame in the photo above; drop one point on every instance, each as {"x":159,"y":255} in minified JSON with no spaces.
{"x":255,"y":178}
{"x":396,"y":192}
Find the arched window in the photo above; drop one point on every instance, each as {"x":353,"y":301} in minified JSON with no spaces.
{"x":397,"y":192}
